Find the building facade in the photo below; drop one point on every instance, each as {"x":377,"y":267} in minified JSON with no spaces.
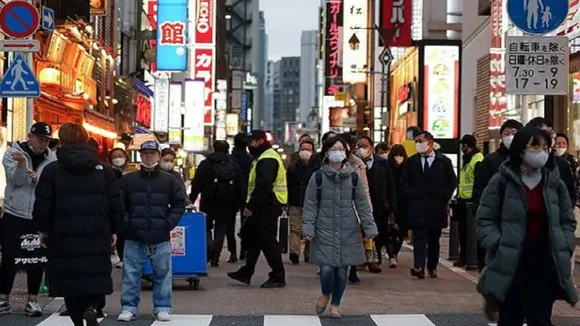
{"x":308,"y":74}
{"x":286,"y":77}
{"x":260,"y":113}
{"x":269,"y":97}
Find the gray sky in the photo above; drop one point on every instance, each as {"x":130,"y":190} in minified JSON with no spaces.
{"x":285,"y":21}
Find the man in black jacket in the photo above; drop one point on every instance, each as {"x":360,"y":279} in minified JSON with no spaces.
{"x":243,"y":160}
{"x":295,"y":157}
{"x":485,"y":170}
{"x":382,"y":190}
{"x":217,"y":179}
{"x":155,"y":203}
{"x":297,"y":183}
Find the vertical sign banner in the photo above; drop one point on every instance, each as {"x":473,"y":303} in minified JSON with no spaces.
{"x":320,"y":33}
{"x":150,"y":8}
{"x":497,"y":91}
{"x":175,"y":99}
{"x":205,"y":23}
{"x":161,"y":107}
{"x":355,"y":41}
{"x":441,"y":91}
{"x":396,"y":14}
{"x":205,"y":54}
{"x":171,"y":51}
{"x":193,"y":130}
{"x":333,"y":46}
{"x":204,"y":70}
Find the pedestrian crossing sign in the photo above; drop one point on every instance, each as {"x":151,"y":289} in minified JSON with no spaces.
{"x":19,"y":80}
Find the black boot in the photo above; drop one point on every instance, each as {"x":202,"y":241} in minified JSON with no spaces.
{"x":353,"y":275}
{"x":233,"y":259}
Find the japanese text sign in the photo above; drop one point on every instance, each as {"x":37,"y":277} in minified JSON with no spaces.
{"x":355,"y":41}
{"x":537,"y":65}
{"x":497,"y":95}
{"x":396,"y":15}
{"x":205,"y":22}
{"x":171,"y":35}
{"x":333,"y":46}
{"x":204,"y":70}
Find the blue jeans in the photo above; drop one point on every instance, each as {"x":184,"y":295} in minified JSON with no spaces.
{"x":134,"y":258}
{"x":333,"y":283}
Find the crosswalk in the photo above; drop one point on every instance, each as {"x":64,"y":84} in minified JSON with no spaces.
{"x":272,"y":320}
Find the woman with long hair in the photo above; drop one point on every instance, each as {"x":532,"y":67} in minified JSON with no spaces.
{"x":526,"y":225}
{"x":78,"y":209}
{"x":334,"y":202}
{"x":397,"y":158}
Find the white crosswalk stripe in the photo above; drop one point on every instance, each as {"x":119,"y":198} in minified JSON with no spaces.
{"x":402,"y":320}
{"x":186,"y":320}
{"x":58,"y":320}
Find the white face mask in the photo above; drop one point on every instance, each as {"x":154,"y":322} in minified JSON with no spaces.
{"x":336,"y":156}
{"x":536,"y":159}
{"x":507,"y":141}
{"x":422,"y":147}
{"x":385,"y":156}
{"x":304,"y":155}
{"x":559,"y":151}
{"x":362,"y":153}
{"x":118,"y":162}
{"x":167,"y":166}
{"x":399,"y":159}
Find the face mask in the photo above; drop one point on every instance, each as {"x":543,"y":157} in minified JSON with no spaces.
{"x":118,"y":162}
{"x":337,"y":156}
{"x":536,"y":159}
{"x":559,"y":151}
{"x":385,"y":156}
{"x":399,"y":159}
{"x":422,"y":147}
{"x":167,"y":166}
{"x":507,"y":141}
{"x":362,"y":153}
{"x":253,"y":150}
{"x":304,"y":155}
{"x":149,"y":166}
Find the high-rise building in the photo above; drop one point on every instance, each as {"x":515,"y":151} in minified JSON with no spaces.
{"x":269,"y":97}
{"x":308,"y":76}
{"x":286,"y":97}
{"x":260,"y":112}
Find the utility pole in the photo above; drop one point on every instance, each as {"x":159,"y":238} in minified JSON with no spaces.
{"x":30,"y":100}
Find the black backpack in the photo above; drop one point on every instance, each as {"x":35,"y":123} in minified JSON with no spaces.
{"x":318,"y":178}
{"x":223,"y":181}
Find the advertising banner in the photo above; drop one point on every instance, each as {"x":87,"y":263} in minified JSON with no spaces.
{"x":205,"y":70}
{"x":205,"y":23}
{"x":497,"y":91}
{"x":333,"y":46}
{"x":355,"y":41}
{"x":193,"y":135}
{"x":161,"y":107}
{"x":396,"y":14}
{"x":175,"y":99}
{"x":171,"y":35}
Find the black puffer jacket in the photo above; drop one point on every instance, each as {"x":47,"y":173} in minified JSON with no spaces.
{"x":79,"y":204}
{"x":155,"y":203}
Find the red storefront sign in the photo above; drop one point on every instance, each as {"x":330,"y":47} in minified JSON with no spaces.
{"x":205,"y":22}
{"x":497,"y":94}
{"x":204,"y":70}
{"x":332,"y":65}
{"x":393,"y":14}
{"x":143,"y":111}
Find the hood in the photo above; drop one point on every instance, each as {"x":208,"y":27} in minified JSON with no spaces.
{"x":78,"y":158}
{"x":551,"y":176}
{"x":218,"y":157}
{"x":338,"y":175}
{"x":356,"y":162}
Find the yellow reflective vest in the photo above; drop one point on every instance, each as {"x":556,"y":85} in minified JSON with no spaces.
{"x":467,"y":177}
{"x":279,"y":187}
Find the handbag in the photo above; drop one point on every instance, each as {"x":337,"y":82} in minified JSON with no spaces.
{"x":283,"y":229}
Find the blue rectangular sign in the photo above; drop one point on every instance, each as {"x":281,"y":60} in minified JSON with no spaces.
{"x":171,"y":52}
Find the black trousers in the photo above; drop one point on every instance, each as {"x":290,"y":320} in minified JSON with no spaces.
{"x":460,"y":213}
{"x":77,"y":306}
{"x":533,"y":291}
{"x":394,"y":249}
{"x":260,"y":235}
{"x":426,"y":247}
{"x":7,"y":265}
{"x":120,"y":245}
{"x":243,"y":243}
{"x":231,"y":234}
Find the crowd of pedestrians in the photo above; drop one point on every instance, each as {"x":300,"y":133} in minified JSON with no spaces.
{"x":351,"y":205}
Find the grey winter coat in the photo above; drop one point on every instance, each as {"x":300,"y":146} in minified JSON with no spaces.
{"x":501,"y":230}
{"x":333,"y":224}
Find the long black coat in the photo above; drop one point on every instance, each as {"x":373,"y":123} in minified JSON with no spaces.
{"x":383,"y":190}
{"x":79,"y":205}
{"x":428,"y":193}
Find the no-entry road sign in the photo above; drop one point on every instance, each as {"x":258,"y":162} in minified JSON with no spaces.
{"x":19,"y":19}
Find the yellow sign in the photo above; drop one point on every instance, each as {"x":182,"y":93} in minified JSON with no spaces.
{"x":341,"y":96}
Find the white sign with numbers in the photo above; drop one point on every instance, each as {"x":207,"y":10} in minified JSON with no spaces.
{"x":537,"y":65}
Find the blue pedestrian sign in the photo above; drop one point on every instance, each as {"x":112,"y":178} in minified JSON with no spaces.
{"x":47,"y":19}
{"x":537,"y":17}
{"x":19,"y":80}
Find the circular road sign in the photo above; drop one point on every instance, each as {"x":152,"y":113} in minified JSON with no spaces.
{"x":19,"y":19}
{"x":533,"y":17}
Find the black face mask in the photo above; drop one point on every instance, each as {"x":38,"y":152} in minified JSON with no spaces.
{"x":254,"y":150}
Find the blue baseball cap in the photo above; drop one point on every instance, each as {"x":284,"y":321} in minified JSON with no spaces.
{"x":149,"y":145}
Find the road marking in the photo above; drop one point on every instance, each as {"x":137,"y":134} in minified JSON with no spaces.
{"x":402,"y":320}
{"x":292,"y":321}
{"x":186,"y":320}
{"x":57,"y":320}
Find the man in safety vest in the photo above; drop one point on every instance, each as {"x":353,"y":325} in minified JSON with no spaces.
{"x":471,"y":156}
{"x":267,"y":194}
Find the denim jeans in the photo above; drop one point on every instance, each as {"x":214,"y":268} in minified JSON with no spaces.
{"x":135,"y":256}
{"x":333,"y":283}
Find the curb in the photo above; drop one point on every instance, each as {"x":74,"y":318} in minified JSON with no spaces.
{"x":54,"y":305}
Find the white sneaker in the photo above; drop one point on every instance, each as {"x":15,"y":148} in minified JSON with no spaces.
{"x":393,"y":263}
{"x":163,"y":316}
{"x":126,"y":316}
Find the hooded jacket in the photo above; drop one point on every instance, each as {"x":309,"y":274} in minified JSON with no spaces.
{"x":79,"y":205}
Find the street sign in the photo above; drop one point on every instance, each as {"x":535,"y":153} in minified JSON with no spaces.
{"x":25,"y":45}
{"x":19,"y":80}
{"x":47,"y":19}
{"x":537,"y":65}
{"x":536,"y":16}
{"x":19,"y":19}
{"x":386,"y":56}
